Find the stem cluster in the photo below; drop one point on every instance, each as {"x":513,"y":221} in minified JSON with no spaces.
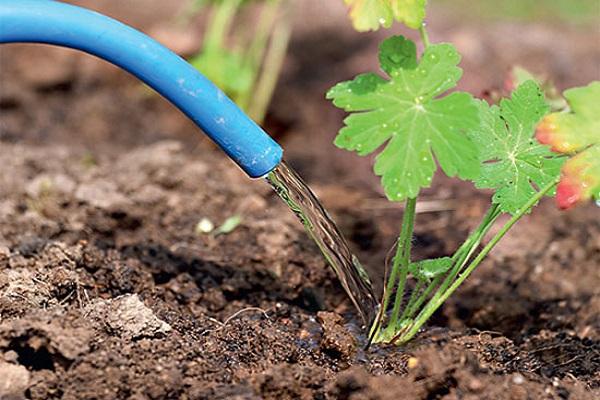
{"x":407,"y":317}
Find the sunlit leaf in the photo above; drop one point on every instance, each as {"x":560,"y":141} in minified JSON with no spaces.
{"x":370,"y":15}
{"x":407,"y":114}
{"x":514,"y":164}
{"x":519,"y":75}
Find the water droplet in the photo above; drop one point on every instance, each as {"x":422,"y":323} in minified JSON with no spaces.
{"x":382,"y":21}
{"x":384,"y":125}
{"x":433,"y":56}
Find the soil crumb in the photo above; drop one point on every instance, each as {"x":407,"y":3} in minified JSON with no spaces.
{"x":336,"y":339}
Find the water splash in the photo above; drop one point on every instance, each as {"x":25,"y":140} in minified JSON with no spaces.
{"x":321,"y":228}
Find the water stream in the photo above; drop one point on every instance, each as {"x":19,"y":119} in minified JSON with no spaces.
{"x":321,"y":228}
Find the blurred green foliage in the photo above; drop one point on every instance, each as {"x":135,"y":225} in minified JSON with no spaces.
{"x":573,"y":11}
{"x":242,"y":58}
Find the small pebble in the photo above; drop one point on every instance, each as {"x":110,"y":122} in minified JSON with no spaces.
{"x":11,"y":356}
{"x":518,"y":379}
{"x":4,"y":252}
{"x":475,"y":385}
{"x":204,"y":226}
{"x":412,"y":363}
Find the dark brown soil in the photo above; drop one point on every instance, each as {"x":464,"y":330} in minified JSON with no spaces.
{"x":107,"y":290}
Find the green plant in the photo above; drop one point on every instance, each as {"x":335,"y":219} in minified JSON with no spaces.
{"x":247,"y":68}
{"x":409,"y":115}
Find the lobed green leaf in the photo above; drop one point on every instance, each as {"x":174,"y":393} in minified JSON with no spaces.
{"x":407,"y":114}
{"x":514,"y":164}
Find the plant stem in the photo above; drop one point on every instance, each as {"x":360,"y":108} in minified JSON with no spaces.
{"x":414,"y":297}
{"x":459,"y":258}
{"x":220,"y":24}
{"x":189,"y":11}
{"x":431,"y":308}
{"x":466,"y":250}
{"x":391,"y":281}
{"x":271,"y":68}
{"x":415,"y":306}
{"x":258,"y":44}
{"x":257,"y":47}
{"x":402,"y":258}
{"x":424,"y":35}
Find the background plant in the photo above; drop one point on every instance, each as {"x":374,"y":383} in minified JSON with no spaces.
{"x":408,"y":117}
{"x":244,"y":61}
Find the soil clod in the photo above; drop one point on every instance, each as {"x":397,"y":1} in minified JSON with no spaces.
{"x":127,"y":317}
{"x":336,"y":339}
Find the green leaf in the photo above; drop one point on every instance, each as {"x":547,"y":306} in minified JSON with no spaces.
{"x":229,"y":225}
{"x":576,"y":133}
{"x":397,"y":53}
{"x":428,"y":269}
{"x":409,"y":12}
{"x":226,"y":69}
{"x":513,"y":162}
{"x":519,"y":75}
{"x":406,"y":113}
{"x":370,"y":15}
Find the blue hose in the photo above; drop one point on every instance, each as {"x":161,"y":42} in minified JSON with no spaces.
{"x":52,"y":22}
